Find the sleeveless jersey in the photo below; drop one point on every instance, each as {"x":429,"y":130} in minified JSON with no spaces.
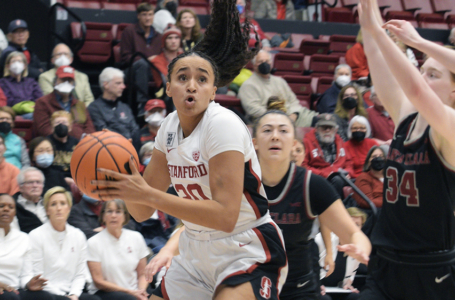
{"x":419,"y":195}
{"x":218,"y":131}
{"x":294,"y":211}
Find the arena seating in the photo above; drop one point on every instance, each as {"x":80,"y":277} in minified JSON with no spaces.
{"x":301,"y":86}
{"x":97,"y":48}
{"x":288,"y":64}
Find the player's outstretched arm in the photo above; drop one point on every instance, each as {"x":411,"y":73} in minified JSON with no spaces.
{"x":329,"y":264}
{"x":354,"y":242}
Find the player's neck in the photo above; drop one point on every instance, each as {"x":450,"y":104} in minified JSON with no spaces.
{"x":273,"y":172}
{"x":189,"y":123}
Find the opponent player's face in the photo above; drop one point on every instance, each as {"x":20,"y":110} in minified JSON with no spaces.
{"x":7,"y":210}
{"x":440,"y":80}
{"x":298,"y":153}
{"x":191,"y":86}
{"x":114,"y":216}
{"x":274,"y":138}
{"x":58,"y":208}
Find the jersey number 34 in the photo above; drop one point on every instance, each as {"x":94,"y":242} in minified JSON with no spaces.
{"x":406,"y":187}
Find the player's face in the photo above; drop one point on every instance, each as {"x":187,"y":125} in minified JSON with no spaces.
{"x":7,"y":210}
{"x":274,"y":138}
{"x":440,"y":80}
{"x":114,"y":216}
{"x":191,"y":86}
{"x":298,"y":153}
{"x":58,"y":208}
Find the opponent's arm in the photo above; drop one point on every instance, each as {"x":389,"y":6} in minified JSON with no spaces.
{"x":329,"y":264}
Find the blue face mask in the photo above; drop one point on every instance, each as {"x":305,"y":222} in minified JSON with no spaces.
{"x":240,"y":8}
{"x":146,"y":161}
{"x":44,"y":160}
{"x":89,"y":200}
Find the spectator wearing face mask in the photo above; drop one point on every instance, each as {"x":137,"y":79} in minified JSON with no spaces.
{"x":145,"y":155}
{"x":16,"y":84}
{"x":382,"y":126}
{"x":328,"y":100}
{"x":350,"y":103}
{"x":62,"y":98}
{"x":371,"y":180}
{"x":108,"y":112}
{"x":155,"y":112}
{"x":41,"y":151}
{"x":256,"y":90}
{"x":16,"y":148}
{"x":359,"y":142}
{"x":62,"y":123}
{"x":62,"y":56}
{"x":165,"y":16}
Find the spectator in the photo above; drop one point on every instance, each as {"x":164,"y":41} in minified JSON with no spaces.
{"x":41,"y":152}
{"x":62,"y":99}
{"x":62,"y":124}
{"x":8,"y":173}
{"x":59,"y":251}
{"x":328,"y":100}
{"x":359,"y":143}
{"x":3,"y":42}
{"x":405,"y":49}
{"x":255,"y":28}
{"x":140,"y":37}
{"x":188,"y":23}
{"x":256,"y":90}
{"x":349,"y":104}
{"x":31,"y":213}
{"x":172,"y":38}
{"x":275,"y":9}
{"x":16,"y":84}
{"x":452,"y":37}
{"x":117,"y":257}
{"x":355,"y":57}
{"x":298,"y":153}
{"x":165,"y":16}
{"x":145,"y":155}
{"x":382,"y":126}
{"x":108,"y":112}
{"x":3,"y":100}
{"x":155,"y":112}
{"x":62,"y":56}
{"x":370,"y":181}
{"x":16,"y":148}
{"x":18,"y":35}
{"x":16,"y":276}
{"x":324,"y":152}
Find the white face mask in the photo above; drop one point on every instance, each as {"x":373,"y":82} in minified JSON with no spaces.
{"x":17,"y":67}
{"x":64,"y":87}
{"x":156,"y":119}
{"x":343,"y":80}
{"x":62,"y":61}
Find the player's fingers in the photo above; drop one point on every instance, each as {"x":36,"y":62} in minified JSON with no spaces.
{"x":111,"y":174}
{"x":396,"y":23}
{"x":133,"y":168}
{"x":106,"y":183}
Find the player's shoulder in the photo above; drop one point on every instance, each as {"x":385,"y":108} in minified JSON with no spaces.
{"x":171,"y":119}
{"x":217,"y":114}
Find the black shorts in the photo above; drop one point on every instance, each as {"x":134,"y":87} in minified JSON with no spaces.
{"x":304,"y":288}
{"x":388,"y":279}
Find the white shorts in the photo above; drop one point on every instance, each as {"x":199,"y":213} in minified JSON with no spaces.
{"x":255,"y":255}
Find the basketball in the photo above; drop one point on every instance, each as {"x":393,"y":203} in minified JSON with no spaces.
{"x":103,"y":149}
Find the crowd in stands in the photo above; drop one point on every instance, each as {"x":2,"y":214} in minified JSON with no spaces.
{"x":55,"y":240}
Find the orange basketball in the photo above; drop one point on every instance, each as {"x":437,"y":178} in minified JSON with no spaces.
{"x":103,"y":149}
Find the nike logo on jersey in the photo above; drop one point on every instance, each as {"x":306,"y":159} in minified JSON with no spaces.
{"x":169,"y":150}
{"x":299,"y":285}
{"x":439,"y":280}
{"x":243,"y":245}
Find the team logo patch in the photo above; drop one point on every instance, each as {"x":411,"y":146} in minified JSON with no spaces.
{"x":129,"y":250}
{"x":196,"y":155}
{"x":122,"y":115}
{"x":170,"y":139}
{"x":265,"y":290}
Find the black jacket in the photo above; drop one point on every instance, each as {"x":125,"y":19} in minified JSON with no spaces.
{"x":33,"y":67}
{"x":27,"y":220}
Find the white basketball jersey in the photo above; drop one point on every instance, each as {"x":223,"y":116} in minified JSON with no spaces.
{"x":219,"y":130}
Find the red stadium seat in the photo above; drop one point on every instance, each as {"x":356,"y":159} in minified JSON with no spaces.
{"x":447,"y":9}
{"x":321,"y":65}
{"x":119,"y":6}
{"x":288,"y":64}
{"x":97,"y":47}
{"x":229,"y":102}
{"x":424,"y":13}
{"x":23,"y":128}
{"x":338,"y":14}
{"x":347,"y":190}
{"x":323,"y":84}
{"x":339,"y":44}
{"x":301,"y":86}
{"x":323,"y":37}
{"x":194,"y":2}
{"x":392,"y":9}
{"x":198,"y":10}
{"x":83,"y":4}
{"x":310,"y":47}
{"x":127,"y":1}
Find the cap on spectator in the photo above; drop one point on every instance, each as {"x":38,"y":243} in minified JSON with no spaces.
{"x":18,"y":23}
{"x":65,"y":72}
{"x":151,"y":104}
{"x":326,"y":120}
{"x":171,"y":30}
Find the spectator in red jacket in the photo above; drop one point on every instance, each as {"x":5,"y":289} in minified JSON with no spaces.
{"x":325,"y":153}
{"x":382,"y":126}
{"x":359,"y":142}
{"x":2,"y":98}
{"x":357,"y":60}
{"x":370,"y":181}
{"x":254,"y":27}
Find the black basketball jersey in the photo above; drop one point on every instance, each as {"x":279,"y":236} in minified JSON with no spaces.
{"x":419,"y":195}
{"x":294,"y":204}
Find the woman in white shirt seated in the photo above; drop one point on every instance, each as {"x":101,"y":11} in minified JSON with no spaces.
{"x":15,"y":263}
{"x":117,"y":257}
{"x":59,"y":250}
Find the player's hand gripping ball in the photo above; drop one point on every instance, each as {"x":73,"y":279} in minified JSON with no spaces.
{"x":103,"y":149}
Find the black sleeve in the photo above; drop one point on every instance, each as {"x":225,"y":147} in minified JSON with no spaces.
{"x":322,"y":194}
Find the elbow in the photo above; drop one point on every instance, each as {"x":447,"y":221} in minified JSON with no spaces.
{"x":228,"y":224}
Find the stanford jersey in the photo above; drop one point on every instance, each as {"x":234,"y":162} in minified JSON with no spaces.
{"x":188,"y":159}
{"x":419,"y":195}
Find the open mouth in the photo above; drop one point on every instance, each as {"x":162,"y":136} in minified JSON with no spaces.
{"x":275,"y":148}
{"x":190,"y":99}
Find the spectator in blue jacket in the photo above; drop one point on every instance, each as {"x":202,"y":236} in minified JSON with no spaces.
{"x":328,"y":100}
